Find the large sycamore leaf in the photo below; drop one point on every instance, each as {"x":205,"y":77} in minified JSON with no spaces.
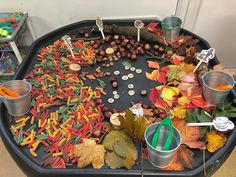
{"x":89,"y":152}
{"x":113,"y":160}
{"x":215,"y":140}
{"x":190,"y":135}
{"x":183,"y":158}
{"x":140,"y":125}
{"x":114,"y":136}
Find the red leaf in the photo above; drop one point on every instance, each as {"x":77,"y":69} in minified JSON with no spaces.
{"x":162,"y":75}
{"x":154,"y":95}
{"x":152,"y":27}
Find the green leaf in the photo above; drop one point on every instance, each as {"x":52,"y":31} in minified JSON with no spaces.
{"x":113,"y":160}
{"x":126,"y":63}
{"x":140,"y":125}
{"x":127,"y":122}
{"x":125,"y":147}
{"x":204,"y":117}
{"x":191,"y":115}
{"x":114,"y":136}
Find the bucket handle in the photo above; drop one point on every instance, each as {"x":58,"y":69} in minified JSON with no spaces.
{"x":165,"y":122}
{"x":201,"y":76}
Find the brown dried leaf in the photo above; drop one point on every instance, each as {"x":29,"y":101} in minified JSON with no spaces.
{"x":140,"y":125}
{"x":148,"y":112}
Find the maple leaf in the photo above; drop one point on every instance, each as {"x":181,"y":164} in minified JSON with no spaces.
{"x":215,"y":140}
{"x":190,"y":135}
{"x":89,"y":152}
{"x":183,"y":158}
{"x":153,"y":65}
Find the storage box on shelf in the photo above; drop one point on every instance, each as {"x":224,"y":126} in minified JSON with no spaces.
{"x":11,"y":51}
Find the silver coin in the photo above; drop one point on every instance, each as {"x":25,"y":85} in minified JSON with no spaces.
{"x":132,"y":69}
{"x":130,"y":75}
{"x":110,"y":100}
{"x":116,"y":73}
{"x":125,"y":78}
{"x":114,"y":92}
{"x":130,"y":86}
{"x":139,"y":71}
{"x":127,"y":67}
{"x":116,"y":96}
{"x":131,"y":92}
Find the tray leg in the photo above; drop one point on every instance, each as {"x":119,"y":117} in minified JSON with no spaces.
{"x":16,"y":51}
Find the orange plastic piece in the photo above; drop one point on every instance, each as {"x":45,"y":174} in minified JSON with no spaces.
{"x":7,"y":92}
{"x":223,"y":87}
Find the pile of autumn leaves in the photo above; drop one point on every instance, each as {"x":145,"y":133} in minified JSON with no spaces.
{"x":180,"y":92}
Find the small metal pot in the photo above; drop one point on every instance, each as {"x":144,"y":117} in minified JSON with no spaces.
{"x":18,"y":106}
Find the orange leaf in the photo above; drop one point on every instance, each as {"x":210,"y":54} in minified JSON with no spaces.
{"x":152,"y":76}
{"x":183,"y":158}
{"x":153,"y":64}
{"x":190,"y":135}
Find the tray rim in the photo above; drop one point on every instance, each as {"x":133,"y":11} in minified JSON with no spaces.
{"x":16,"y":151}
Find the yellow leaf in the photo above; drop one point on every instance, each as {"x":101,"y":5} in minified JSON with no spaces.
{"x":188,"y":68}
{"x":179,"y":112}
{"x":183,"y":100}
{"x":215,"y":141}
{"x":89,"y":152}
{"x":168,"y":93}
{"x":129,"y":162}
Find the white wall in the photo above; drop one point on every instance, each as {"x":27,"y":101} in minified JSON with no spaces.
{"x":216,"y":22}
{"x":47,"y":15}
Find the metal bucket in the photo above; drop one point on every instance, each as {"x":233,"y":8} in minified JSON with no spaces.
{"x":157,"y":156}
{"x":212,"y":79}
{"x":171,"y":27}
{"x":18,"y":106}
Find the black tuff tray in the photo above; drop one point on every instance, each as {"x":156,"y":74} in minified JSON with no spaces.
{"x":31,"y":166}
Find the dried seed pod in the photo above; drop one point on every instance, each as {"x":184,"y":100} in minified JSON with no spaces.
{"x":105,"y":109}
{"x":113,"y":79}
{"x":128,"y":55}
{"x":116,"y":37}
{"x":156,"y":46}
{"x":96,"y":46}
{"x":128,"y":46}
{"x":86,"y":35}
{"x":96,"y":51}
{"x":97,"y":133}
{"x":92,"y":42}
{"x":133,"y":57}
{"x":147,"y":47}
{"x":161,"y":49}
{"x":102,"y":53}
{"x":113,"y":43}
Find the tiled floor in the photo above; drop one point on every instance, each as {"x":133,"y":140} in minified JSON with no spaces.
{"x":8,"y":167}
